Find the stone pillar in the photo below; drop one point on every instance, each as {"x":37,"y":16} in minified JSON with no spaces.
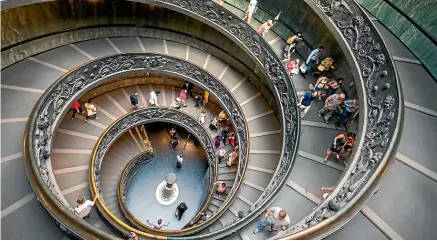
{"x":167,"y":192}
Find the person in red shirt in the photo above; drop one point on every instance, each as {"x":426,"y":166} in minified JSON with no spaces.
{"x":76,"y":109}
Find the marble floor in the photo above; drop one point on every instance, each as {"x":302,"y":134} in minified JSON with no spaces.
{"x":141,"y":199}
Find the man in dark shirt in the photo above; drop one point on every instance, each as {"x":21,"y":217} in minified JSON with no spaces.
{"x":189,"y":87}
{"x":134,"y":100}
{"x":180,"y":210}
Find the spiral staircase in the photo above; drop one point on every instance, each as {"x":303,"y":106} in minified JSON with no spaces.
{"x":400,"y":207}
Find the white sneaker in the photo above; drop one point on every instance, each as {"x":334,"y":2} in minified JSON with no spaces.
{"x":255,"y":231}
{"x":96,"y":118}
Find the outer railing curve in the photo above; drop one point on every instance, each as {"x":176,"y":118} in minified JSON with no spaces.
{"x":121,"y":126}
{"x":381,"y":119}
{"x":55,"y":102}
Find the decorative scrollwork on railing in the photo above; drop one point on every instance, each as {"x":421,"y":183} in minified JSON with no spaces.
{"x":129,"y":121}
{"x":382,"y":112}
{"x":271,"y":66}
{"x":57,"y":99}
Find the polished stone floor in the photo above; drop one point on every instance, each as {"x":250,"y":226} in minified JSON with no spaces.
{"x":141,"y":199}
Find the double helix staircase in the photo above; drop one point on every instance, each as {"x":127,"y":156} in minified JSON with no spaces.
{"x":25,"y":81}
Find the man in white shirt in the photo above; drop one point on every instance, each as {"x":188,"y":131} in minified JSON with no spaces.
{"x":153,"y":99}
{"x":84,"y":206}
{"x":159,"y":224}
{"x":276,"y":219}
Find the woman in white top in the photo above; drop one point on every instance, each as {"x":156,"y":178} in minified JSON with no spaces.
{"x":176,"y":104}
{"x":154,"y":98}
{"x":202,"y":117}
{"x":84,"y":206}
{"x":91,"y":111}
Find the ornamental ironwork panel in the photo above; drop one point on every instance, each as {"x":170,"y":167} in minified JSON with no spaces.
{"x":57,"y":99}
{"x":382,"y":110}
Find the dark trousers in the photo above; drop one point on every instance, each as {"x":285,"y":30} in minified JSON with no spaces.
{"x":75,"y":111}
{"x":198,"y":102}
{"x":344,"y":115}
{"x":180,"y":215}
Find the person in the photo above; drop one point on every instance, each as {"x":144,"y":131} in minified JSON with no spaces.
{"x":205,"y":97}
{"x":313,"y":57}
{"x":202,"y":116}
{"x":350,"y":108}
{"x":204,"y":217}
{"x":265,"y":27}
{"x":183,"y":97}
{"x":189,"y":87}
{"x":231,"y":139}
{"x":305,"y":102}
{"x":338,"y":144}
{"x":222,"y":117}
{"x":232,"y":157}
{"x":180,"y":210}
{"x":91,"y":111}
{"x":293,"y":67}
{"x":214,"y":124}
{"x":331,"y":104}
{"x":224,"y":135}
{"x":217,"y":141}
{"x":321,"y":85}
{"x":134,"y":100}
{"x":180,"y":160}
{"x":158,"y":225}
{"x":292,"y":41}
{"x":76,"y":109}
{"x":132,"y":236}
{"x":176,"y":104}
{"x":250,"y":10}
{"x":199,"y":100}
{"x":172,"y":133}
{"x":154,"y":97}
{"x":275,"y":218}
{"x":324,"y":66}
{"x":221,"y":188}
{"x":84,"y":206}
{"x":333,"y":85}
{"x":174,"y":143}
{"x":221,"y":155}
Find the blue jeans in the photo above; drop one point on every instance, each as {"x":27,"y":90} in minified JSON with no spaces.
{"x":344,"y":115}
{"x":263,"y":225}
{"x":308,"y":66}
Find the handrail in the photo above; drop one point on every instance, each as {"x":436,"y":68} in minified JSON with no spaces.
{"x":196,"y":129}
{"x":56,"y":102}
{"x":121,"y":126}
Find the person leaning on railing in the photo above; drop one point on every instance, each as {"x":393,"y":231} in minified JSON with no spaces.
{"x":275,"y":218}
{"x":84,"y":206}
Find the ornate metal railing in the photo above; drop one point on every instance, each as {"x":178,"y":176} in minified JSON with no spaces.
{"x":129,"y":173}
{"x":381,"y":120}
{"x":56,"y":101}
{"x":121,"y":126}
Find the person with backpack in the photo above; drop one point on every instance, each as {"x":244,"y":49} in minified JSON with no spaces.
{"x":312,"y":58}
{"x":134,"y":101}
{"x":180,"y":210}
{"x":179,"y":161}
{"x":292,"y":42}
{"x":276,"y":219}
